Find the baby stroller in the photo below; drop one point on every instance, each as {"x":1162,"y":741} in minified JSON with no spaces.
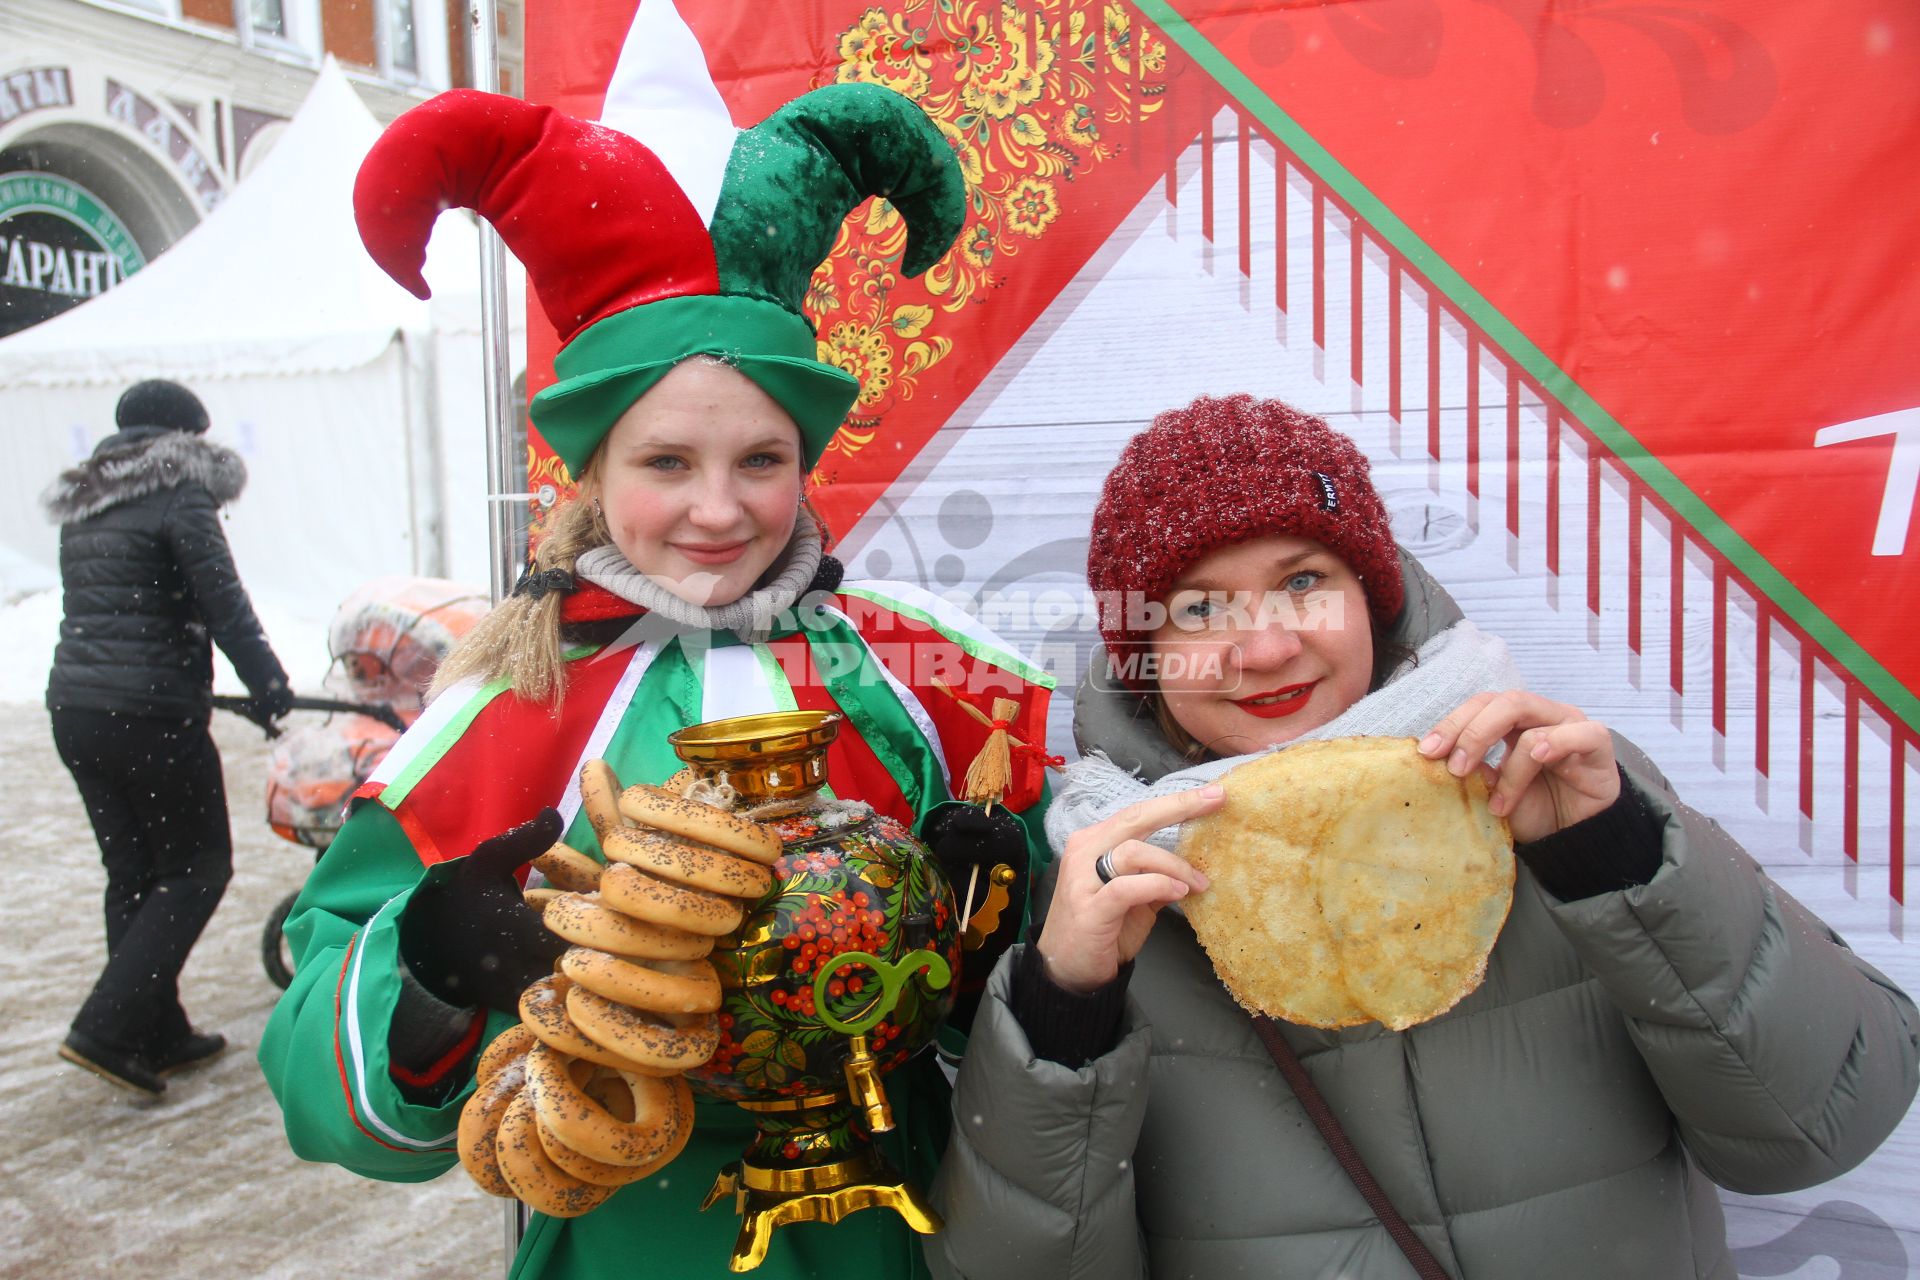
{"x":385,"y":640}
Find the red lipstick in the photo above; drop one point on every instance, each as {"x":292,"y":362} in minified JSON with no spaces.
{"x":1275,"y":703}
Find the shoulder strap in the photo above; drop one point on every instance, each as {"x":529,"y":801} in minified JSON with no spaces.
{"x":1425,"y":1265}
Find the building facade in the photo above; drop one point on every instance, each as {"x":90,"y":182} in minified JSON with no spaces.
{"x":124,"y":123}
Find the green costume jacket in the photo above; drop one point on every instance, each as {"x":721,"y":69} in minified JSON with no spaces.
{"x":480,"y":760}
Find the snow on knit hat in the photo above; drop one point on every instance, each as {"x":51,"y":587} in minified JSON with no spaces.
{"x":1223,"y":471}
{"x":699,"y":241}
{"x":160,"y":403}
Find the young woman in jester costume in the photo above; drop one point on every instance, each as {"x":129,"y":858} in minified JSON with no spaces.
{"x":685,"y":583}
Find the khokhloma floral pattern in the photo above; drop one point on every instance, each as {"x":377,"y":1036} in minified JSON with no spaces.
{"x":1029,"y":95}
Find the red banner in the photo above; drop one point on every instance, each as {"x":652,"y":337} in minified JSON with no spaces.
{"x":1686,"y":222}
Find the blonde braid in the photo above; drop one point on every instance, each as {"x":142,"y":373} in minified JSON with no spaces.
{"x":519,"y":640}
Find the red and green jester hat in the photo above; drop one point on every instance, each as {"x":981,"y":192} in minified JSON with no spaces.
{"x":640,"y":265}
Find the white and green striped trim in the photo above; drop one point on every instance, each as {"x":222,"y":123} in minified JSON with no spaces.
{"x":877,"y":708}
{"x":909,"y":701}
{"x":430,"y":737}
{"x":356,"y":1053}
{"x":734,"y":680}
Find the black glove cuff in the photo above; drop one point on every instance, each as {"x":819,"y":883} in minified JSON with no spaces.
{"x":1617,"y":848}
{"x":424,"y":1040}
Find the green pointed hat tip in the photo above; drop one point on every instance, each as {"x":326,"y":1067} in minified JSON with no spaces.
{"x":794,"y":177}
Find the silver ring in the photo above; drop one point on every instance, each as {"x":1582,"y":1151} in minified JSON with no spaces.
{"x":1103,"y":867}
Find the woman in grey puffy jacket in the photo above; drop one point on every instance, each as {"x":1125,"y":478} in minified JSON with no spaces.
{"x":1656,"y":1017}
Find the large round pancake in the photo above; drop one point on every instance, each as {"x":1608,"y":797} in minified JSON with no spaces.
{"x":1353,"y":880}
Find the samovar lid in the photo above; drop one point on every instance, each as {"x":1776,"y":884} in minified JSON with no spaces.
{"x":774,"y":755}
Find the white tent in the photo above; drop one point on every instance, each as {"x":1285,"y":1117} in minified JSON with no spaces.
{"x":357,"y":407}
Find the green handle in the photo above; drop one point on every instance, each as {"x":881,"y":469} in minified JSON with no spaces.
{"x":892,"y":978}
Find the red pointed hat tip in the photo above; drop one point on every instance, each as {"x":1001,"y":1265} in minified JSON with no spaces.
{"x":594,"y":215}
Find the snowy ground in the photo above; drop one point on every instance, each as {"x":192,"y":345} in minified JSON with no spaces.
{"x":201,"y":1183}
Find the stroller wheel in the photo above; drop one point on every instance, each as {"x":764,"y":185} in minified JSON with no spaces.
{"x":274,"y":955}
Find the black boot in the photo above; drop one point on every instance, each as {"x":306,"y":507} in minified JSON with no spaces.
{"x":118,"y":1066}
{"x":191,"y":1050}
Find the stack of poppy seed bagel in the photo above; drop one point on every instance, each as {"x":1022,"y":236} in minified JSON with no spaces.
{"x":588,"y":1094}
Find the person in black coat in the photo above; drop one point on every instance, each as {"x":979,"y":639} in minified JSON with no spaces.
{"x":149,"y":586}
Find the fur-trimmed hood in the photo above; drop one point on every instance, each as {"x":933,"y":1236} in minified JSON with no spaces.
{"x":141,"y":460}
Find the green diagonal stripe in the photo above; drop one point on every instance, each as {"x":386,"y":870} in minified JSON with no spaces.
{"x":402,"y":783}
{"x":1706,"y":522}
{"x":860,"y":689}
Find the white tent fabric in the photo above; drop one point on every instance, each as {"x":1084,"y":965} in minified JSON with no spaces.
{"x":327,"y":377}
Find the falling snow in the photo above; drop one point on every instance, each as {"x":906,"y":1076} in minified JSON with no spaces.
{"x":200,"y":1183}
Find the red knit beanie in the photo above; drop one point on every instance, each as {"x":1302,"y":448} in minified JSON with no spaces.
{"x":1227,"y":470}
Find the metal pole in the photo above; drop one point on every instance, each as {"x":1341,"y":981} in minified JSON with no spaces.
{"x":496,"y":372}
{"x":505,"y":463}
{"x":506,"y":478}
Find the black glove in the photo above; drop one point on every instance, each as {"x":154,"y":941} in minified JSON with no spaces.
{"x":468,"y":935}
{"x":964,"y":837}
{"x":265,"y":706}
{"x":275,"y":700}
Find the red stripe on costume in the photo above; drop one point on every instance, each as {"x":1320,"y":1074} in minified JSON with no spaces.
{"x":422,"y":840}
{"x":917,"y":655}
{"x":340,"y":1055}
{"x":853,"y":771}
{"x":467,"y":797}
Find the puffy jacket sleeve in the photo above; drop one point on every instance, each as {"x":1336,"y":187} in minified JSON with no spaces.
{"x":1785,"y":1057}
{"x":1038,"y":1176}
{"x":200,"y":549}
{"x":325,"y":1050}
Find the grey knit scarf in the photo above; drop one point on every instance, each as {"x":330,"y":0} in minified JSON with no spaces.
{"x":751,"y":617}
